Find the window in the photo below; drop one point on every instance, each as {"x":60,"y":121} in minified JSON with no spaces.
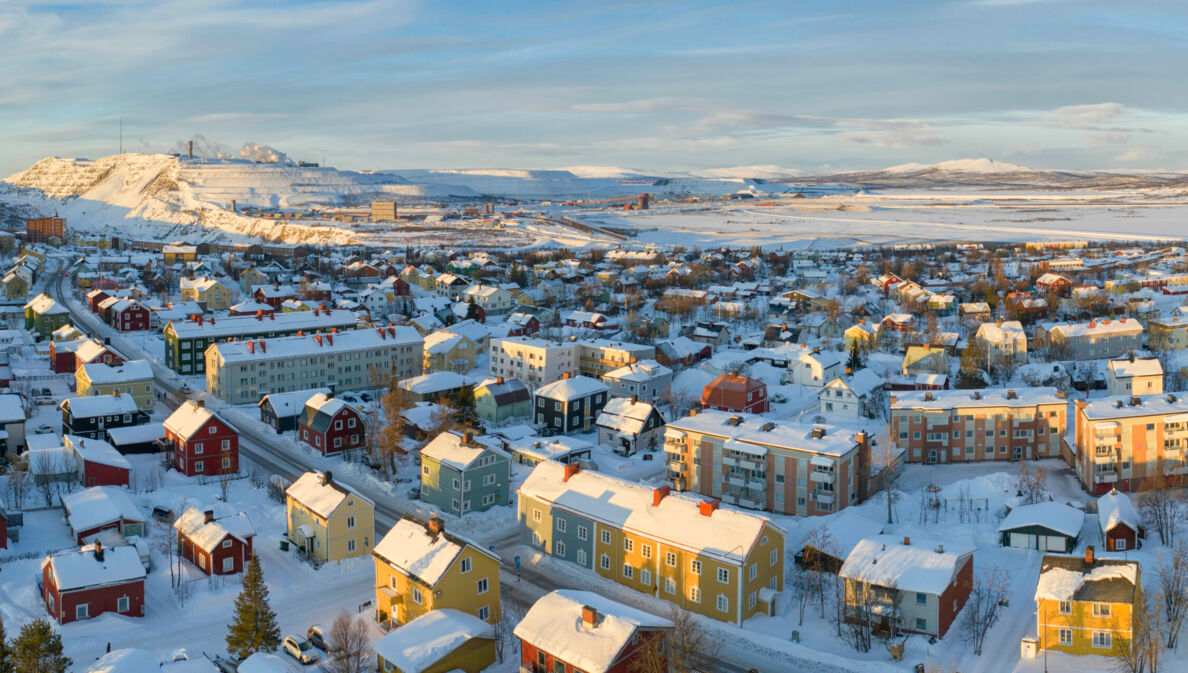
{"x":482,"y":586}
{"x":561,"y":525}
{"x":669,"y":585}
{"x":1102,"y":640}
{"x":646,"y":549}
{"x":350,"y":522}
{"x":558,"y":666}
{"x":645,"y":577}
{"x":122,"y":604}
{"x":695,"y":567}
{"x":581,"y":557}
{"x":606,"y":537}
{"x":424,"y":469}
{"x":604,"y":562}
{"x":227,"y":543}
{"x":198,"y":466}
{"x":226,"y":463}
{"x":771,"y":557}
{"x":464,"y":567}
{"x":1065,"y":636}
{"x":1120,"y":544}
{"x":628,"y":571}
{"x":226,"y":445}
{"x":484,"y":613}
{"x":695,"y":594}
{"x":670,"y":559}
{"x":416,"y":596}
{"x":228,"y":564}
{"x":559,"y":548}
{"x":921,"y":598}
{"x":751,"y":600}
{"x":211,"y":430}
{"x":583,"y":533}
{"x":723,"y":575}
{"x":1065,"y":608}
{"x":351,"y":546}
{"x":198,"y":447}
{"x":81,"y":611}
{"x":723,"y":603}
{"x":1101,"y":609}
{"x":536,"y":515}
{"x":921,"y":624}
{"x":628,"y":544}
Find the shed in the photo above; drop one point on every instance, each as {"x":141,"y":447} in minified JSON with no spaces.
{"x":1046,"y":526}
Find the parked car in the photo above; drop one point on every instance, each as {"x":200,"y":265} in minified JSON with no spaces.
{"x":349,"y":397}
{"x":300,"y":649}
{"x":44,"y":399}
{"x":44,"y":429}
{"x":185,"y":389}
{"x":415,"y":492}
{"x":317,"y":636}
{"x":45,"y":391}
{"x":366,"y":397}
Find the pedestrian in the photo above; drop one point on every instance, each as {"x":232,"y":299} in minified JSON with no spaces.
{"x":109,"y":647}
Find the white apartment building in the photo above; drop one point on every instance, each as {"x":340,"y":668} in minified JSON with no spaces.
{"x":536,"y":362}
{"x":244,"y":371}
{"x":1004,"y":340}
{"x":596,"y":357}
{"x":1096,"y":339}
{"x":815,"y":367}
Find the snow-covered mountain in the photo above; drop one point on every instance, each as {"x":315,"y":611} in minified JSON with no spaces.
{"x":982,"y":166}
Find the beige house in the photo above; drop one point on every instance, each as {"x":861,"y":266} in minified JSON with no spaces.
{"x":1095,"y":339}
{"x":449,"y":352}
{"x":207,"y":291}
{"x":533,"y":361}
{"x":329,"y":521}
{"x":134,"y":377}
{"x":1131,"y":376}
{"x":1003,"y":340}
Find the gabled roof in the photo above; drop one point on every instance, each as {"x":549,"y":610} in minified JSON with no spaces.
{"x":99,"y":505}
{"x":1115,"y":508}
{"x":571,"y":388}
{"x":188,"y":419}
{"x":320,"y":495}
{"x":554,"y":625}
{"x":82,"y":569}
{"x":1054,"y":516}
{"x":622,"y":415}
{"x":424,"y":641}
{"x":883,"y":560}
{"x":208,"y":534}
{"x":321,"y":409}
{"x":452,"y":449}
{"x":97,"y":451}
{"x":412,"y":549}
{"x":1064,"y":578}
{"x":292,"y":403}
{"x":132,"y":370}
{"x":100,"y":405}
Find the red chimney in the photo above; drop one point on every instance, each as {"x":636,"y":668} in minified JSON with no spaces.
{"x":658,"y":494}
{"x":589,"y":616}
{"x":570,"y":470}
{"x":330,"y":339}
{"x":907,"y":541}
{"x":319,"y":338}
{"x":1089,"y":555}
{"x":436,"y":525}
{"x":263,"y":346}
{"x":707,"y":507}
{"x":208,"y":516}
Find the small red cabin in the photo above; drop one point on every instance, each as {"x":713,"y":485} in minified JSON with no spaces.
{"x":734,"y":392}
{"x":330,"y":425}
{"x":91,"y":581}
{"x":201,"y":443}
{"x":216,"y":546}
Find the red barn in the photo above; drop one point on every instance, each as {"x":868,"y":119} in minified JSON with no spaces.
{"x":330,"y":425}
{"x":94,"y":298}
{"x":217,"y":546}
{"x":571,"y":630}
{"x":100,"y":463}
{"x":201,"y":442}
{"x":91,"y":581}
{"x":734,"y":392}
{"x":1119,"y":521}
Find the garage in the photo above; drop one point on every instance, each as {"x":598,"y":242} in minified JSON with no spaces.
{"x":1045,"y":526}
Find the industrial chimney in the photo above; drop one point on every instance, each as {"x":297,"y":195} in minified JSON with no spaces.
{"x":190,"y":151}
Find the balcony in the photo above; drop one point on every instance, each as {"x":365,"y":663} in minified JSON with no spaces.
{"x":674,"y":447}
{"x":742,"y":501}
{"x":745,"y":461}
{"x":678,"y":466}
{"x":823,"y":497}
{"x":822,"y":476}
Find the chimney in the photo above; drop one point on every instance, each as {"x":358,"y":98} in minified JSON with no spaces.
{"x":208,"y":516}
{"x":940,"y":549}
{"x":1089,"y":555}
{"x":570,"y":470}
{"x":658,"y":494}
{"x":589,"y":616}
{"x":99,"y":552}
{"x":498,"y":379}
{"x":327,"y":478}
{"x":565,"y":375}
{"x":330,"y":339}
{"x":1011,"y":395}
{"x":201,"y":404}
{"x":263,"y":346}
{"x":319,"y":338}
{"x":436,"y":525}
{"x":634,"y":399}
{"x":190,"y":149}
{"x":467,"y":438}
{"x":707,"y":507}
{"x":907,"y":541}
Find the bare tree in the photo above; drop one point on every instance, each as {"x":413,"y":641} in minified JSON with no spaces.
{"x":349,"y":644}
{"x":43,"y":467}
{"x":511,"y":613}
{"x":226,"y":476}
{"x":799,"y":584}
{"x":163,"y":541}
{"x":1140,"y":650}
{"x":1173,"y":590}
{"x":17,"y":486}
{"x":990,"y":590}
{"x":1032,"y":483}
{"x":819,"y":546}
{"x":1161,"y":506}
{"x":687,"y":648}
{"x":886,"y":464}
{"x":857,"y":623}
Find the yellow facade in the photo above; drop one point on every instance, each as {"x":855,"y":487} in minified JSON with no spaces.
{"x":1167,"y":335}
{"x":472,"y":656}
{"x":402,"y":597}
{"x":140,"y":390}
{"x":464,"y":351}
{"x":216,"y":296}
{"x":348,"y":531}
{"x":1079,"y":622}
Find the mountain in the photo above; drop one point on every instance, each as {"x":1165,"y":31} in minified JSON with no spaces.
{"x":981,"y":166}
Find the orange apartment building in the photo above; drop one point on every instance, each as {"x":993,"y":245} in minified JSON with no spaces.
{"x":41,"y":229}
{"x":956,"y":426}
{"x":1123,"y":441}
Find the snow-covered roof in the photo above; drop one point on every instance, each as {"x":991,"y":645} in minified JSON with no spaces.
{"x":622,"y":415}
{"x":1054,"y":516}
{"x":1064,"y":578}
{"x":132,"y":370}
{"x":571,"y":388}
{"x":188,"y":419}
{"x":1116,"y":508}
{"x":211,"y":328}
{"x":281,"y":348}
{"x":100,"y":405}
{"x":412,"y":549}
{"x":551,"y":448}
{"x":861,"y":383}
{"x":1099,"y":327}
{"x":989,"y":397}
{"x":424,"y":641}
{"x":749,"y":432}
{"x":642,"y":371}
{"x":207,"y":534}
{"x":441,"y":342}
{"x":1119,"y":406}
{"x":884,"y":560}
{"x":129,"y":660}
{"x":291,"y":403}
{"x":1126,"y":368}
{"x":320,"y":496}
{"x":554,"y":624}
{"x":97,"y":451}
{"x":450,"y":448}
{"x":435,"y":382}
{"x":82,"y":568}
{"x":726,"y":535}
{"x":98,"y":505}
{"x":43,"y":304}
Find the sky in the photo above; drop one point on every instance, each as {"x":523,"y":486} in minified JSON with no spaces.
{"x":791,"y":85}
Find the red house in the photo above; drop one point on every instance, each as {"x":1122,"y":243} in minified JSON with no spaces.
{"x":62,"y":355}
{"x":91,"y":581}
{"x":101,"y":464}
{"x":217,"y":546}
{"x":571,"y":630}
{"x":588,"y":320}
{"x":93,"y":350}
{"x":94,"y":298}
{"x":734,"y":392}
{"x":399,"y":287}
{"x":330,"y":425}
{"x":99,"y":508}
{"x":201,"y":443}
{"x":522,"y":324}
{"x":898,"y":322}
{"x":274,"y":295}
{"x":1119,"y":521}
{"x":127,"y":315}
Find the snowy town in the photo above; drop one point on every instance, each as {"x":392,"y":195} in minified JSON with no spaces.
{"x":965,"y":457}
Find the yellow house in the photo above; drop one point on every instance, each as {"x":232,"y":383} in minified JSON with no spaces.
{"x":329,"y":521}
{"x":1085,"y":605}
{"x":441,"y":641}
{"x":213,"y":294}
{"x":426,"y":279}
{"x":723,"y":564}
{"x":1167,"y":334}
{"x":134,"y":377}
{"x":419,"y":568}
{"x":860,"y":334}
{"x":447,"y":351}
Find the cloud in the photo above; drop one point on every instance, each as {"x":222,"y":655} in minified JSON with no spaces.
{"x":1137,"y":154}
{"x":644,"y":105}
{"x":1094,"y":113}
{"x":894,"y":138}
{"x":220,"y":117}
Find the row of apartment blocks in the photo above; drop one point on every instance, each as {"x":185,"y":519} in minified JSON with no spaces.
{"x":244,"y":371}
{"x":538,"y":362}
{"x":186,"y":342}
{"x":757,"y":463}
{"x":953,"y":426}
{"x":1130,"y":442}
{"x":724,"y":564}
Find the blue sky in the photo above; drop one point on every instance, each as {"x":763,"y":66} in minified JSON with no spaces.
{"x":813,"y":86}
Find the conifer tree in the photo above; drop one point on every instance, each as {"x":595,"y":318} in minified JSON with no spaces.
{"x":5,"y":650}
{"x":38,"y":650}
{"x":254,"y":627}
{"x":855,"y":362}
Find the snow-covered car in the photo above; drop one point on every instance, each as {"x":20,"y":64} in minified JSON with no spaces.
{"x":414,"y":493}
{"x":300,"y":649}
{"x":44,"y":429}
{"x":185,"y":389}
{"x":317,"y":636}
